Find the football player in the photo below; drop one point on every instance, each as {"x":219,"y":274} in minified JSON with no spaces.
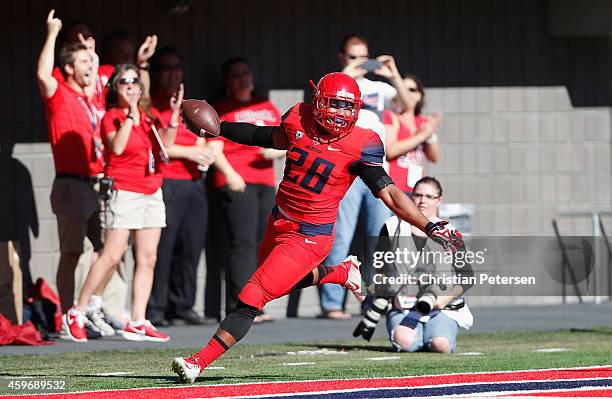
{"x":325,"y":153}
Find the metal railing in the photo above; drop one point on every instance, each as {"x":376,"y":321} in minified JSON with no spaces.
{"x":595,"y":279}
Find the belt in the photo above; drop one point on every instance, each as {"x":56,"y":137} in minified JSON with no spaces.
{"x":307,"y":229}
{"x":86,"y":179}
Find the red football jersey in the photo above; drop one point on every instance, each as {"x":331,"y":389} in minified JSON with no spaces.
{"x":317,"y":174}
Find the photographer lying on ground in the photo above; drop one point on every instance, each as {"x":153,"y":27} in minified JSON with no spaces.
{"x":425,"y":314}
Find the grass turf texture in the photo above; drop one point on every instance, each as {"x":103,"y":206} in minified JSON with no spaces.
{"x":262,"y":363}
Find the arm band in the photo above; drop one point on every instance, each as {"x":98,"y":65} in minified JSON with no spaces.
{"x":246,"y":133}
{"x":375,"y":178}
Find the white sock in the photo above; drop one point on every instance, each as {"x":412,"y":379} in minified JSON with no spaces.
{"x":95,"y":303}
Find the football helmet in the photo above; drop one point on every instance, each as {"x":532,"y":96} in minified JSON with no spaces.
{"x":336,"y":103}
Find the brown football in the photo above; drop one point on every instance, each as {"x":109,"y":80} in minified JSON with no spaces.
{"x":200,"y":118}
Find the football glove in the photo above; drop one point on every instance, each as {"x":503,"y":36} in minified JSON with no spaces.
{"x":451,"y":240}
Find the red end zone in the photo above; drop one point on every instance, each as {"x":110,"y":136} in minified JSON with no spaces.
{"x":600,"y":373}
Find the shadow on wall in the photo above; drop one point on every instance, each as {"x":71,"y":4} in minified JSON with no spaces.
{"x":17,"y":207}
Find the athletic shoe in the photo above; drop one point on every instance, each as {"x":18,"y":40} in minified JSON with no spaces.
{"x":91,"y":330}
{"x":187,"y":371}
{"x":353,"y":281}
{"x":97,"y":319}
{"x":143,"y":330}
{"x":73,"y":325}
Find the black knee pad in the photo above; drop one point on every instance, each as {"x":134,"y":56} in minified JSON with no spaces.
{"x":238,"y":323}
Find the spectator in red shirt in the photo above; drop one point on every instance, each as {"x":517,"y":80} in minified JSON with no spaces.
{"x":243,"y":183}
{"x":118,"y":48}
{"x":410,"y":138}
{"x":74,"y":134}
{"x":181,"y":243}
{"x":133,"y":155}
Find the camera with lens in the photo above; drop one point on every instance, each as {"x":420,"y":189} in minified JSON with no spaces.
{"x":107,"y":188}
{"x":367,"y":325}
{"x":426,"y":302}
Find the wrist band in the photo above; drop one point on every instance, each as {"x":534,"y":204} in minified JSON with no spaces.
{"x":173,"y":125}
{"x":433,"y":139}
{"x":130,"y":116}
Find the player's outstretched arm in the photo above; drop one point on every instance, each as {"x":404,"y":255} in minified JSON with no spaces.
{"x":402,"y":206}
{"x":382,"y":186}
{"x":249,"y":134}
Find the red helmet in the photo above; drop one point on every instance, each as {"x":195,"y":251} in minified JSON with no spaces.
{"x":336,"y":103}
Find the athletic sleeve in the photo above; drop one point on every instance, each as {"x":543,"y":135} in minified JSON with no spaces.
{"x":374,"y":177}
{"x":248,"y":134}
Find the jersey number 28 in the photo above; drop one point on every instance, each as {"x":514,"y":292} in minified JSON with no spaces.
{"x":314,"y":180}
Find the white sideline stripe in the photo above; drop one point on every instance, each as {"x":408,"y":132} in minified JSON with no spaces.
{"x":323,"y":351}
{"x":361,"y":379}
{"x":299,"y":364}
{"x":470,"y":353}
{"x":113,"y":373}
{"x":215,"y":368}
{"x":383,"y":358}
{"x":550,"y":350}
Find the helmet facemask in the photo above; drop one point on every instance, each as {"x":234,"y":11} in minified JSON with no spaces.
{"x":337,"y":113}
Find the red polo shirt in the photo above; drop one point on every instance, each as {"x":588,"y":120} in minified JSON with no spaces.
{"x":247,"y":160}
{"x":74,"y":132}
{"x":131,"y":169}
{"x":408,"y":168}
{"x":179,"y":168}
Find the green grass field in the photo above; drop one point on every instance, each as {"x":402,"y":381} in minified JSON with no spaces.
{"x":344,"y":359}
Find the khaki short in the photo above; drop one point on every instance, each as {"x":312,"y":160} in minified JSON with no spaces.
{"x":133,"y":211}
{"x":76,"y":205}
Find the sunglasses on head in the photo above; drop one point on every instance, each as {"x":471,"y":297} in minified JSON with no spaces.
{"x":127,"y":81}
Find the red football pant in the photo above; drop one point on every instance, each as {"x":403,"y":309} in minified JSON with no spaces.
{"x":285,"y":257}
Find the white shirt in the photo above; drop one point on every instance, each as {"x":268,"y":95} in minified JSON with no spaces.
{"x":375,"y":97}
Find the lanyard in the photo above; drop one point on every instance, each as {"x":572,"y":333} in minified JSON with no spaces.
{"x":90,"y":113}
{"x":99,"y":87}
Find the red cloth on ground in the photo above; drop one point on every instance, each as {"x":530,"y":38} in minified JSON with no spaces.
{"x":24,"y":334}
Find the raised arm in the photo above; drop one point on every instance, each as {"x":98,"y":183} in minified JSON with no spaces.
{"x":395,"y":148}
{"x":90,"y":43}
{"x":389,"y":70}
{"x":145,"y":52}
{"x":168,"y":135}
{"x":47,"y":84}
